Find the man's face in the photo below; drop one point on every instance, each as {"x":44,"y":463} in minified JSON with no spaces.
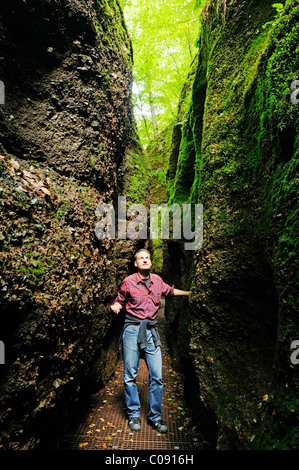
{"x":143,"y":261}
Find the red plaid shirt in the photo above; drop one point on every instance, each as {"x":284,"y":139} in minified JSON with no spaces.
{"x":140,"y":301}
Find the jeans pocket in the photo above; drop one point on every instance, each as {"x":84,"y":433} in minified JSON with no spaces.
{"x":131,"y":328}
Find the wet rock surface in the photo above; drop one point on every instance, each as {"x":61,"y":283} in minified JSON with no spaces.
{"x":67,"y":134}
{"x":234,"y":335}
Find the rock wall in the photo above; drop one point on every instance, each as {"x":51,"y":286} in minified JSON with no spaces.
{"x":67,"y":137}
{"x":235,"y":150}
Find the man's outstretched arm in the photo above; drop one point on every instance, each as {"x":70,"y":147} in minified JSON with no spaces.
{"x":181,"y":292}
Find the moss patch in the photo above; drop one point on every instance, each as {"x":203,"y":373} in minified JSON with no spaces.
{"x":240,"y":132}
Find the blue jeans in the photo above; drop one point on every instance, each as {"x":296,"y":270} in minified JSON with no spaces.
{"x":153,"y":359}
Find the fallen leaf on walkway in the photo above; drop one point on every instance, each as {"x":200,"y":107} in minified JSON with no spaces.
{"x":83,"y":444}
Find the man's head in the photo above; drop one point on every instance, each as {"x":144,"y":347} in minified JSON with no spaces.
{"x":143,"y":260}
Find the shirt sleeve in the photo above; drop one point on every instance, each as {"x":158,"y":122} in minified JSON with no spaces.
{"x":166,"y":289}
{"x":122,"y":293}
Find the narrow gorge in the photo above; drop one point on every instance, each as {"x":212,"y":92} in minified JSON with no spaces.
{"x":69,"y":142}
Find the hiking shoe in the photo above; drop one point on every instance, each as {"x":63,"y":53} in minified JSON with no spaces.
{"x":159,"y":426}
{"x":134,"y":424}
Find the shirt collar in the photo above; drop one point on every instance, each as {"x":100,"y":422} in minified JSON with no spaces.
{"x":139,"y":279}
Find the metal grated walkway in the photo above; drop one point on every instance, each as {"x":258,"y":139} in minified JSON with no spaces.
{"x":106,"y":426}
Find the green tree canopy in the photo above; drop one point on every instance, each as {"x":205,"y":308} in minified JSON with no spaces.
{"x":163,"y":36}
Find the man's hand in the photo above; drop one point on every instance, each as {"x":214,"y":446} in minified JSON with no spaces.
{"x":116,"y":307}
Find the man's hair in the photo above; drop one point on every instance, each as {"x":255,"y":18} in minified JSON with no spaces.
{"x":142,"y":249}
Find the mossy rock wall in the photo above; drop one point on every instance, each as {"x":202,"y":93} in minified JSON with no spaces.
{"x":241,"y":128}
{"x":67,"y":137}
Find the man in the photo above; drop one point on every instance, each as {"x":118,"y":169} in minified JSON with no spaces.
{"x":140,"y":293}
